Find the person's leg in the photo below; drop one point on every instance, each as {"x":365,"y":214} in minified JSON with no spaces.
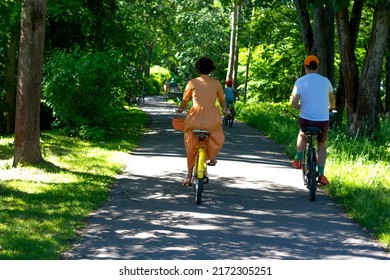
{"x":321,"y":157}
{"x":214,"y":145}
{"x":188,"y":180}
{"x":301,"y":144}
{"x":321,"y":153}
{"x":189,"y":143}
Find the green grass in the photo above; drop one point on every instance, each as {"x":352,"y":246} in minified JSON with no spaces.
{"x":358,"y":169}
{"x":43,"y":206}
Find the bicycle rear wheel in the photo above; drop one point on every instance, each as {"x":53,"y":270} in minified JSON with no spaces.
{"x":312,"y":177}
{"x":230,"y":121}
{"x":225,"y":120}
{"x":199,"y":190}
{"x":200,"y":175}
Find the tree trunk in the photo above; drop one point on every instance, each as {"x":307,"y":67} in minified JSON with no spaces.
{"x":236,"y":50}
{"x":340,"y":98}
{"x":320,"y":44}
{"x":329,"y":41}
{"x":366,"y":117}
{"x":348,"y":62}
{"x":354,"y":24}
{"x":10,"y":81}
{"x":305,"y":26}
{"x":229,"y":74}
{"x":249,"y":55}
{"x":387,"y":97}
{"x":32,"y":35}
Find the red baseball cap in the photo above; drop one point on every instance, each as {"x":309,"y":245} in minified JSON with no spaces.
{"x":311,"y":58}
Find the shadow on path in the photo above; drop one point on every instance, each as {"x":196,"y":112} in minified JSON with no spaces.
{"x":254,"y":207}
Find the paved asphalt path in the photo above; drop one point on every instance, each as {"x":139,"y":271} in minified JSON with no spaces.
{"x":255,"y":206}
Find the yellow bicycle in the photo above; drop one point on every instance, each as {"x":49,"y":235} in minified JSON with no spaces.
{"x":200,"y":168}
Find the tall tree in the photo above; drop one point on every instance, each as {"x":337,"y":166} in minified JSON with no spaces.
{"x":10,"y":72}
{"x":387,"y":67}
{"x":318,"y":39}
{"x":362,"y":94}
{"x":233,"y":40}
{"x":32,"y":37}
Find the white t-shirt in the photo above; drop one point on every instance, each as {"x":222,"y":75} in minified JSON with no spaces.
{"x":313,"y":90}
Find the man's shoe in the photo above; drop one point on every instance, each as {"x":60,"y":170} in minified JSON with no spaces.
{"x":323,"y":180}
{"x":297,"y":164}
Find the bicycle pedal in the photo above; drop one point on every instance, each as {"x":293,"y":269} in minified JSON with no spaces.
{"x":205,"y":180}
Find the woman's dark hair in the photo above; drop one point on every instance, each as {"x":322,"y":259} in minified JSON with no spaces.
{"x":204,"y":66}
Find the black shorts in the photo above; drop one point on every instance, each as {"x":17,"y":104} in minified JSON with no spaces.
{"x":324,"y":125}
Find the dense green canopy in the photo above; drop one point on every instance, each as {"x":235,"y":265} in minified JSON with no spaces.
{"x":98,"y":47}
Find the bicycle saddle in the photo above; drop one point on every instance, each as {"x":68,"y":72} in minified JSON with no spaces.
{"x":200,"y":131}
{"x":311,"y":129}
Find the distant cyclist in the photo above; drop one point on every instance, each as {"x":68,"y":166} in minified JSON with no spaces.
{"x":231,"y":93}
{"x":173,"y":86}
{"x":313,"y":96}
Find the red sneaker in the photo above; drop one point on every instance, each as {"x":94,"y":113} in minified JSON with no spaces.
{"x":297,"y":164}
{"x":323,"y":180}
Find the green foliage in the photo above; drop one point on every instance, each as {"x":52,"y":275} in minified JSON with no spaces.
{"x":276,"y":53}
{"x":271,"y":77}
{"x":84,"y":89}
{"x":159,"y":75}
{"x":196,"y":36}
{"x":84,"y":23}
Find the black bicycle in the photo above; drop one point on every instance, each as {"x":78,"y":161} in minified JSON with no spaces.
{"x":229,"y":118}
{"x":309,"y":159}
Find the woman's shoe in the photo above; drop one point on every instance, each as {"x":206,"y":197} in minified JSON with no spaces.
{"x":187,"y":182}
{"x":212,"y":162}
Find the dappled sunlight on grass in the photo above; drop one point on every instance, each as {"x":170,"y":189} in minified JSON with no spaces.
{"x":42,"y":206}
{"x":364,"y":190}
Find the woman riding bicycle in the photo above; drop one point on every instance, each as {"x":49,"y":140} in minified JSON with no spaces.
{"x":313,"y":96}
{"x":203,"y":114}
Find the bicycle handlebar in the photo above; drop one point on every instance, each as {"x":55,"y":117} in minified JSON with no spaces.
{"x":331,"y":113}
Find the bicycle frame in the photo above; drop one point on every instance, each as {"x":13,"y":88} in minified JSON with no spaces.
{"x":309,"y":161}
{"x":200,"y":168}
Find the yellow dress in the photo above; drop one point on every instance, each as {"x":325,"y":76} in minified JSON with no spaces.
{"x":203,"y":114}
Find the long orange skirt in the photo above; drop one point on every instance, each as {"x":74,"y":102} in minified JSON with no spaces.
{"x":208,"y":119}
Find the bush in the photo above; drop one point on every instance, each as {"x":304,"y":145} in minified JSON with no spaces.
{"x":159,"y":75}
{"x":84,"y":90}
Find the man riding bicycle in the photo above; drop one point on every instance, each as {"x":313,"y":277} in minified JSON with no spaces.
{"x":313,"y":96}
